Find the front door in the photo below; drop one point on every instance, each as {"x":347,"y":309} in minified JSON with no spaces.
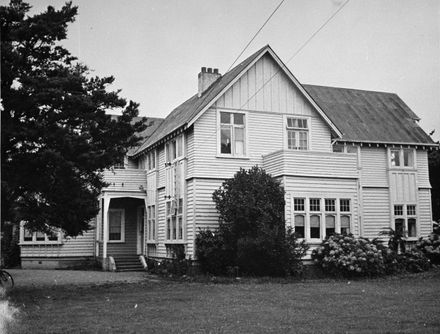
{"x":140,"y":229}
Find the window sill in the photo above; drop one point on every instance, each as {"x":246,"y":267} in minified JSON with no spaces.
{"x":406,"y":169}
{"x":115,"y":241}
{"x":151,"y":242}
{"x":222,"y":156}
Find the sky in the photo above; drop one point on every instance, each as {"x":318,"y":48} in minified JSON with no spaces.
{"x":155,"y":49}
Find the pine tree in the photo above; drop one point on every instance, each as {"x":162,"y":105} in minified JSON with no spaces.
{"x":56,"y":135}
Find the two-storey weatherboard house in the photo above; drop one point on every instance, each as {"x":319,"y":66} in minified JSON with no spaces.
{"x":349,"y":161}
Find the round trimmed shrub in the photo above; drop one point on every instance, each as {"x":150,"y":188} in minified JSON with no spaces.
{"x":345,"y":255}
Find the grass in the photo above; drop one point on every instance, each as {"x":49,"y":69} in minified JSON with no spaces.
{"x":408,"y":304}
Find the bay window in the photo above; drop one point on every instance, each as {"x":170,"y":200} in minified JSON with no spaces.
{"x":318,"y":218}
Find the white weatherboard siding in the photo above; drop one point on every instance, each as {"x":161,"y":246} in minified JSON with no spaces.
{"x":189,"y":141}
{"x":310,"y":163}
{"x":190,"y":217}
{"x":315,"y":187}
{"x":374,"y":166}
{"x":425,"y":213}
{"x":125,"y":179}
{"x":160,"y":163}
{"x":422,"y":169}
{"x":376,"y":211}
{"x":254,"y":91}
{"x":161,"y":228}
{"x":83,"y":245}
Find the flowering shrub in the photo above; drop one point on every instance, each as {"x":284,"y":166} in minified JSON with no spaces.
{"x":349,"y":256}
{"x":430,"y":246}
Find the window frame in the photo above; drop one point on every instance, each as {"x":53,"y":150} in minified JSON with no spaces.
{"x":232,"y":127}
{"x":288,"y":129}
{"x":325,"y":211}
{"x":151,"y":223}
{"x":176,"y":156}
{"x":401,"y":151}
{"x":400,"y":211}
{"x":122,"y":239}
{"x":34,"y":240}
{"x":151,"y":155}
{"x":169,"y":215}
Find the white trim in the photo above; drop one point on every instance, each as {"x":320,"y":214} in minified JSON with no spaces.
{"x":34,"y":240}
{"x":287,"y":72}
{"x":122,"y":239}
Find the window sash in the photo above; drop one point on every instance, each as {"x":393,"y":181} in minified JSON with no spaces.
{"x":116,"y":225}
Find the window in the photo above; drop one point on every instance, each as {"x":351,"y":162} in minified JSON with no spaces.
{"x":321,"y":221}
{"x":232,"y":134}
{"x":345,"y":224}
{"x":174,"y":220}
{"x":405,"y":219}
{"x":151,"y":157}
{"x":297,"y":133}
{"x":343,"y":148}
{"x":151,"y":222}
{"x":315,"y":204}
{"x":330,"y":205}
{"x":402,"y":157}
{"x":315,"y":226}
{"x":28,"y":236}
{"x":298,"y":204}
{"x":299,"y":226}
{"x":344,"y":205}
{"x":174,"y":149}
{"x":116,"y":225}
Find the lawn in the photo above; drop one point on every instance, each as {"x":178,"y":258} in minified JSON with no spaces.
{"x":409,"y":304}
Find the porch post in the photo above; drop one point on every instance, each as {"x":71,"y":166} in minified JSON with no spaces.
{"x":144,"y":252}
{"x":105,"y":227}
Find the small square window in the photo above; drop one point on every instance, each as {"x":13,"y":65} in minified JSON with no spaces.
{"x":225,"y":118}
{"x":411,"y":210}
{"x":315,"y":204}
{"x":398,"y":210}
{"x":238,"y":119}
{"x":298,"y":204}
{"x":330,"y":205}
{"x":344,"y":205}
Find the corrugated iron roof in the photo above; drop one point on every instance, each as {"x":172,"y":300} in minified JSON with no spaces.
{"x":369,"y":116}
{"x":184,"y":113}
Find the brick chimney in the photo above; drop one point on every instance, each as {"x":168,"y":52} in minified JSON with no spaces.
{"x":207,"y":77}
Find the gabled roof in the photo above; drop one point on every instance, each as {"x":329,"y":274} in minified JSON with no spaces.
{"x":368,"y":116}
{"x":191,"y":109}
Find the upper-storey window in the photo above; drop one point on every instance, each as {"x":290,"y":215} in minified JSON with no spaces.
{"x":340,"y":147}
{"x":232,"y":133}
{"x":402,"y":157}
{"x":297,"y":133}
{"x":151,"y":158}
{"x":174,"y":149}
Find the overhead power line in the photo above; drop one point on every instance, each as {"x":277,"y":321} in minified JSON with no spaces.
{"x":261,"y":28}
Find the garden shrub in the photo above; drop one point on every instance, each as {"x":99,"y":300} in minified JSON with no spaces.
{"x":430,"y":246}
{"x":345,"y":255}
{"x":178,"y":265}
{"x":251,"y":234}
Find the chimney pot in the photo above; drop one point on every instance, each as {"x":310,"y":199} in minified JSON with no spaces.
{"x":207,"y":77}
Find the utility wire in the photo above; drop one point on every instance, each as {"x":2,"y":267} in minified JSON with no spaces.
{"x":261,"y":28}
{"x":290,"y":59}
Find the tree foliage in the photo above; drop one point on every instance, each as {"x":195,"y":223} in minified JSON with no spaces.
{"x":56,"y":135}
{"x":252,"y":234}
{"x":434,"y":179}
